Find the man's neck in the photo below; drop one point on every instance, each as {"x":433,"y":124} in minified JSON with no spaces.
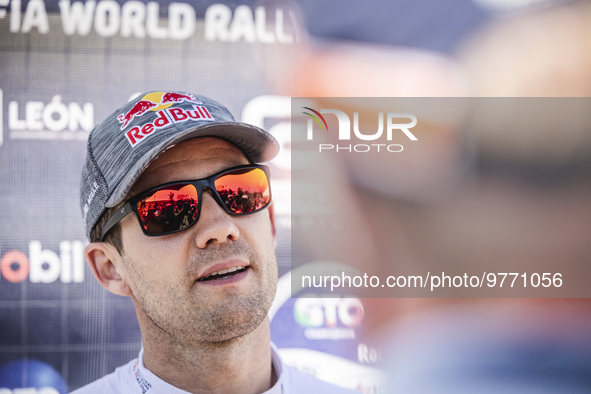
{"x":241,"y":365}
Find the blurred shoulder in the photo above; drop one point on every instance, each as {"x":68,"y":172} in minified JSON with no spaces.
{"x":115,"y":382}
{"x":297,"y":381}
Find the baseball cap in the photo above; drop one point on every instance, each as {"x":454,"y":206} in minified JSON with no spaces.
{"x":122,"y":146}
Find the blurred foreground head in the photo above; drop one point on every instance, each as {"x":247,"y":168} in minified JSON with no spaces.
{"x":546,"y":53}
{"x":515,"y":196}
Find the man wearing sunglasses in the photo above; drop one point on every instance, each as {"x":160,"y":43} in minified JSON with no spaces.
{"x":180,"y":219}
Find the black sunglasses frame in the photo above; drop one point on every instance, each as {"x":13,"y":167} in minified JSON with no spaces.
{"x":200,"y":184}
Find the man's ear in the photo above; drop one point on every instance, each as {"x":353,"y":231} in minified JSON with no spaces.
{"x":106,"y":262}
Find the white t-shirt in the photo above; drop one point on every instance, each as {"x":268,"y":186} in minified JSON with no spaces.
{"x":135,"y":378}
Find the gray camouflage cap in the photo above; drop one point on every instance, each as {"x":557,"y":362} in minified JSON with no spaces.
{"x":122,"y":146}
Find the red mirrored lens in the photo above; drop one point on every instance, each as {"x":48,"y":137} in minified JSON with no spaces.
{"x":245,"y":190}
{"x":171,"y":208}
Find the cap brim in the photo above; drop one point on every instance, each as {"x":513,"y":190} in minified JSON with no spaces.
{"x":256,"y":144}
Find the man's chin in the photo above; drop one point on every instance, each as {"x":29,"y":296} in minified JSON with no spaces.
{"x":232,"y":331}
{"x":226,"y":323}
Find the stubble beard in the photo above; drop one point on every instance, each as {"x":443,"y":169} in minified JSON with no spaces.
{"x":183,"y":317}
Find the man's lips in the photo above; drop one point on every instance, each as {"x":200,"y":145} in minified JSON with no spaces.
{"x":223,"y":270}
{"x":223,"y":273}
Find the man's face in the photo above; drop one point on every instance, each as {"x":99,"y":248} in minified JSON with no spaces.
{"x":162,"y":272}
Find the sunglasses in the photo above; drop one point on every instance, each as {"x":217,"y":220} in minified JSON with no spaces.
{"x":175,"y":206}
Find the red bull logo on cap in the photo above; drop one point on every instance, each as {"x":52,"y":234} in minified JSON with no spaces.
{"x":155,"y":101}
{"x":160,"y":102}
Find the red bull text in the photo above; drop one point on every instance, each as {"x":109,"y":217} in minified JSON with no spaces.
{"x":162,"y":103}
{"x":135,"y":135}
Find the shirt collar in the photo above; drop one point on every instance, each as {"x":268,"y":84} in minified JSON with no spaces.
{"x":143,"y":379}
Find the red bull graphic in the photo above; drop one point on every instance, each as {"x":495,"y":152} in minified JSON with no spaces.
{"x":154,"y":102}
{"x":172,"y":97}
{"x":161,"y":103}
{"x":138,"y":109}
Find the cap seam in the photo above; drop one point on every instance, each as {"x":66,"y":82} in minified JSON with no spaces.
{"x":104,"y":180}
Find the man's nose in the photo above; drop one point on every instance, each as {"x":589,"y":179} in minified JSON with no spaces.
{"x":214,"y":226}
